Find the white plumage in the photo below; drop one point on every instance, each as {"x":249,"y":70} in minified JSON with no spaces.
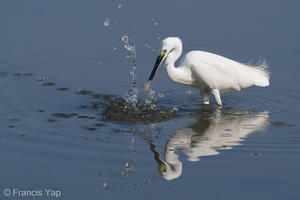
{"x":210,"y":73}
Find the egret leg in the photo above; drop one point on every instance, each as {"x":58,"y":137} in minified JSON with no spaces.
{"x":216,"y":94}
{"x":205,"y":97}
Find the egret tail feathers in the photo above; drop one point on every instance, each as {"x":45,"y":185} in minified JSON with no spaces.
{"x":262,"y":74}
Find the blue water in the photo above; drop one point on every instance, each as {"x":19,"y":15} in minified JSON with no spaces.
{"x":63,"y":125}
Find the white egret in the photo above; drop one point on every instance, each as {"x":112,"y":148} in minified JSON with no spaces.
{"x":210,"y":73}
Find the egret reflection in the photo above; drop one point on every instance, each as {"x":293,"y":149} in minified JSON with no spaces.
{"x":214,"y":131}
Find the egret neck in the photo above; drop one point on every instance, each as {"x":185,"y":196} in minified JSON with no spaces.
{"x":179,"y":74}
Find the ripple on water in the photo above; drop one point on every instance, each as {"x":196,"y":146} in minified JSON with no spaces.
{"x":177,"y":103}
{"x":276,"y":101}
{"x":170,"y":104}
{"x":113,"y":108}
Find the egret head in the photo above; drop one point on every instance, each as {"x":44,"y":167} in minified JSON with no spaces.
{"x":165,"y":47}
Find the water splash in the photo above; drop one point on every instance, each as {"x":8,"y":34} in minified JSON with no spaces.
{"x":131,"y":97}
{"x":129,"y":46}
{"x":150,"y":98}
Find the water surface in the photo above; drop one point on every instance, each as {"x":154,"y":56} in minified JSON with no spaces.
{"x":64,"y":124}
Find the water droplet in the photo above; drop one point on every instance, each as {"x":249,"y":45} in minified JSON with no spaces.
{"x":101,"y":62}
{"x":160,"y":95}
{"x":129,"y":46}
{"x":120,"y":6}
{"x":156,"y":23}
{"x":146,"y":44}
{"x":125,"y":38}
{"x":188,"y":91}
{"x":106,"y":185}
{"x":115,"y":47}
{"x":146,"y":181}
{"x":124,"y":174}
{"x":175,"y":108}
{"x":106,"y":22}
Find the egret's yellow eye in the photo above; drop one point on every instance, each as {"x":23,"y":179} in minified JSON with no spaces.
{"x":163,"y":52}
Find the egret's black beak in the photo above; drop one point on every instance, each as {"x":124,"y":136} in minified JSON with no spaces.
{"x":159,"y":60}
